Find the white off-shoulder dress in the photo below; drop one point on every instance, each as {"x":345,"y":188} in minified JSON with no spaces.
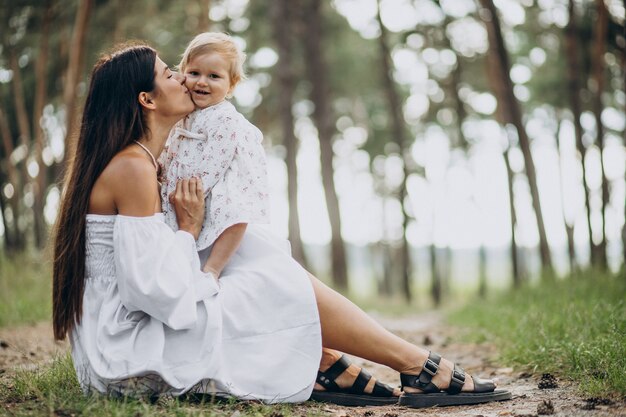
{"x":153,"y":323}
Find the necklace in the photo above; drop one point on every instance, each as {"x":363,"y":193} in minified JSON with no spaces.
{"x":154,"y":162}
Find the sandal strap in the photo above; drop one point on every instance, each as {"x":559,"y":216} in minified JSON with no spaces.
{"x":361,"y":381}
{"x":327,"y":378}
{"x":382,"y":390}
{"x":422,"y":381}
{"x":457,"y":380}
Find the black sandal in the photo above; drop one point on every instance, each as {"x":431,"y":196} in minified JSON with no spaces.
{"x":354,"y":396}
{"x":432,"y":396}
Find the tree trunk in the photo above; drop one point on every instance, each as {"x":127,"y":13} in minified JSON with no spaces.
{"x":24,"y":141}
{"x":515,"y":262}
{"x":482,"y":272}
{"x":400,"y":138}
{"x":283,"y":33}
{"x":436,"y":288}
{"x":511,"y":112}
{"x":74,"y":70}
{"x":16,"y":241}
{"x":204,"y":24}
{"x":317,"y":70}
{"x":597,"y":88}
{"x":41,"y":87}
{"x":569,"y":228}
{"x":573,"y":65}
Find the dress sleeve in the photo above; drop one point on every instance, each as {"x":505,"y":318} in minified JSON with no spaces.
{"x":240,"y":194}
{"x":158,"y":271}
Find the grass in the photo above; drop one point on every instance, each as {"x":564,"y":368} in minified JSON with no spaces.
{"x":573,"y":328}
{"x":25,"y":289}
{"x":54,"y":390}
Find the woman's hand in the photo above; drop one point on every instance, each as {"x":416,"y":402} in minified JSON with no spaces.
{"x":188,"y":202}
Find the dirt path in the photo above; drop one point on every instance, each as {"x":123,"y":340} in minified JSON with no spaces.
{"x":31,"y":346}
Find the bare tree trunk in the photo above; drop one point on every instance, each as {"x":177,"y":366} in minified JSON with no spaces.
{"x":569,"y":228}
{"x":74,"y":69}
{"x":16,"y":242}
{"x":400,"y":138}
{"x":482,"y":272}
{"x":597,"y":88}
{"x":24,"y":132}
{"x":511,"y":112}
{"x":436,"y":288}
{"x":515,"y":262}
{"x":204,"y":24}
{"x":573,"y":65}
{"x":283,"y":33}
{"x":41,"y":87}
{"x":317,"y":70}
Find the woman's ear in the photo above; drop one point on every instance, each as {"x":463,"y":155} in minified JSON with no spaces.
{"x":145,"y":100}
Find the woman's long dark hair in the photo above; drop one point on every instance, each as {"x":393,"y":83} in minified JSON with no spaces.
{"x":112,"y":119}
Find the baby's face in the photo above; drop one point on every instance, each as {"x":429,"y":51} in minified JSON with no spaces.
{"x":208,"y":79}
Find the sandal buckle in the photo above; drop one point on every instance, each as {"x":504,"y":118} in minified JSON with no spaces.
{"x":430,"y":367}
{"x":457,"y":379}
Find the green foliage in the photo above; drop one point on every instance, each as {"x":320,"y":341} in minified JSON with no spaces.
{"x":574,"y":328}
{"x":54,"y":389}
{"x":25,"y":289}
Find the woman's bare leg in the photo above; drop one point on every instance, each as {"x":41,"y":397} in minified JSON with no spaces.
{"x":347,"y":328}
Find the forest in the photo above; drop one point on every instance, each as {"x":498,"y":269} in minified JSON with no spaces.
{"x":414,"y":146}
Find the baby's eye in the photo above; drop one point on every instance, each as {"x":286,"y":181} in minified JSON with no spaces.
{"x":214,"y":76}
{"x":193,"y":73}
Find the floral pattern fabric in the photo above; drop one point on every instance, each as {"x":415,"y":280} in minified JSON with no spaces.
{"x":218,"y":145}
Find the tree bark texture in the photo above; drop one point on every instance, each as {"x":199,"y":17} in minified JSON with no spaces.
{"x":204,"y":24}
{"x":511,"y":112}
{"x":73,"y":74}
{"x":515,"y":261}
{"x":283,"y":33}
{"x":400,"y":138}
{"x":574,"y":87}
{"x":41,"y":87}
{"x":13,"y":235}
{"x":317,"y":70}
{"x":597,"y":88}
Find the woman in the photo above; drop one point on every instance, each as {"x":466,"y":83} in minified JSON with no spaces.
{"x":143,"y":318}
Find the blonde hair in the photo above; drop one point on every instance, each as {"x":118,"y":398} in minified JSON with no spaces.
{"x":221,"y":43}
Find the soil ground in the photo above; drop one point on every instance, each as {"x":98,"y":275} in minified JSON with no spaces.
{"x":32,"y":346}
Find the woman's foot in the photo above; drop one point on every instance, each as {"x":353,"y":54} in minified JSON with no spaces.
{"x":442,"y":377}
{"x":347,"y":378}
{"x":343,"y":383}
{"x":438,"y":382}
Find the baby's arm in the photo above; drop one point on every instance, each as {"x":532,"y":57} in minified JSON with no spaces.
{"x":225,"y":245}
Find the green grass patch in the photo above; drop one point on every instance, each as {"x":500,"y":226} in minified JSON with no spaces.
{"x":574,"y":328}
{"x":25,"y":289}
{"x":54,"y":390}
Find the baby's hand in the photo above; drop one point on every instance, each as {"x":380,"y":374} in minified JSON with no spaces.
{"x":188,"y":202}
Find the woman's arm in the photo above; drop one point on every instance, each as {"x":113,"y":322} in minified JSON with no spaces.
{"x":223,"y":248}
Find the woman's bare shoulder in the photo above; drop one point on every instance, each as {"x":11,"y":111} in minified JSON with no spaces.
{"x":131,"y":181}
